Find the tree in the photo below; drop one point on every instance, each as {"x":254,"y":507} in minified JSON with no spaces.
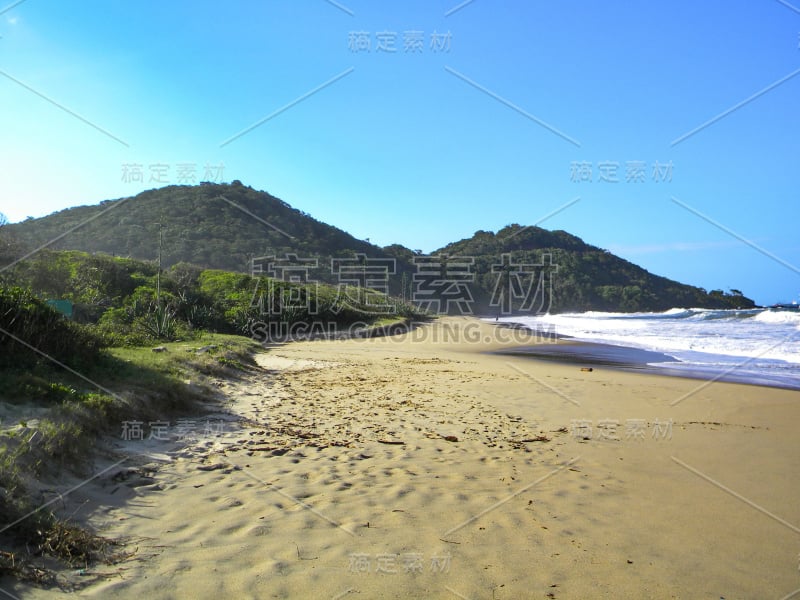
{"x":10,"y":248}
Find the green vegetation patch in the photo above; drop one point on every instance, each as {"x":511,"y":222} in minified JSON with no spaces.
{"x":32,"y":330}
{"x":60,"y":417}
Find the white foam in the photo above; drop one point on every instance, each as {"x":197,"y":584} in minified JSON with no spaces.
{"x":690,"y":335}
{"x":779,"y":316}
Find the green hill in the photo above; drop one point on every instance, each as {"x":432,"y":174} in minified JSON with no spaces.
{"x":583,"y":277}
{"x":227,"y":226}
{"x":216,"y":226}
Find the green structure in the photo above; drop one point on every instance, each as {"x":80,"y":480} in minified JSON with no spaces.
{"x":62,"y":306}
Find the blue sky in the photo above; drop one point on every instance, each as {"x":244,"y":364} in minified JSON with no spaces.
{"x":504,"y":122}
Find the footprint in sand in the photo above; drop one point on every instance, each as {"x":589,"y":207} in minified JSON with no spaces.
{"x":260,"y":530}
{"x":230,"y":502}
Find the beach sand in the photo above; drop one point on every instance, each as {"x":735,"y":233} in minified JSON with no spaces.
{"x":422,"y":467}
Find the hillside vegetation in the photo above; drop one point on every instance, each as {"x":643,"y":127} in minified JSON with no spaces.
{"x":228,"y":226}
{"x":584,"y":277}
{"x":130,"y":302}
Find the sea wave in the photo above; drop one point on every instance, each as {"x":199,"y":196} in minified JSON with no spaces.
{"x":765,"y":339}
{"x":779,"y":316}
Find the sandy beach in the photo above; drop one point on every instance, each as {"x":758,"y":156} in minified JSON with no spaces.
{"x":424,"y":465}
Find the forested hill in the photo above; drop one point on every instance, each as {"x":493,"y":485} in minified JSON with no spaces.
{"x":218,"y":226}
{"x":584,"y":277}
{"x":226,"y":226}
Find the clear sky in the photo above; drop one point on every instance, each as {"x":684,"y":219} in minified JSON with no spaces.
{"x":676,"y":125}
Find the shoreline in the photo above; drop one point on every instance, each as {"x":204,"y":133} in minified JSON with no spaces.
{"x":569,"y":350}
{"x":630,"y":359}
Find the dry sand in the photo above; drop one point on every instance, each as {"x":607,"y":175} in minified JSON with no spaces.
{"x":333,"y":478}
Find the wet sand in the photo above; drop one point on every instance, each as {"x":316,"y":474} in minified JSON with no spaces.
{"x":626,"y":358}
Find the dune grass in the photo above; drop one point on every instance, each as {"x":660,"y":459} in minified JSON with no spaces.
{"x":51,"y":419}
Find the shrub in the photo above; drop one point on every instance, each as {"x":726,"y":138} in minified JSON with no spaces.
{"x":32,"y":330}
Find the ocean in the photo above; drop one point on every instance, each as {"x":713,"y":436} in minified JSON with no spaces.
{"x":760,"y":346}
